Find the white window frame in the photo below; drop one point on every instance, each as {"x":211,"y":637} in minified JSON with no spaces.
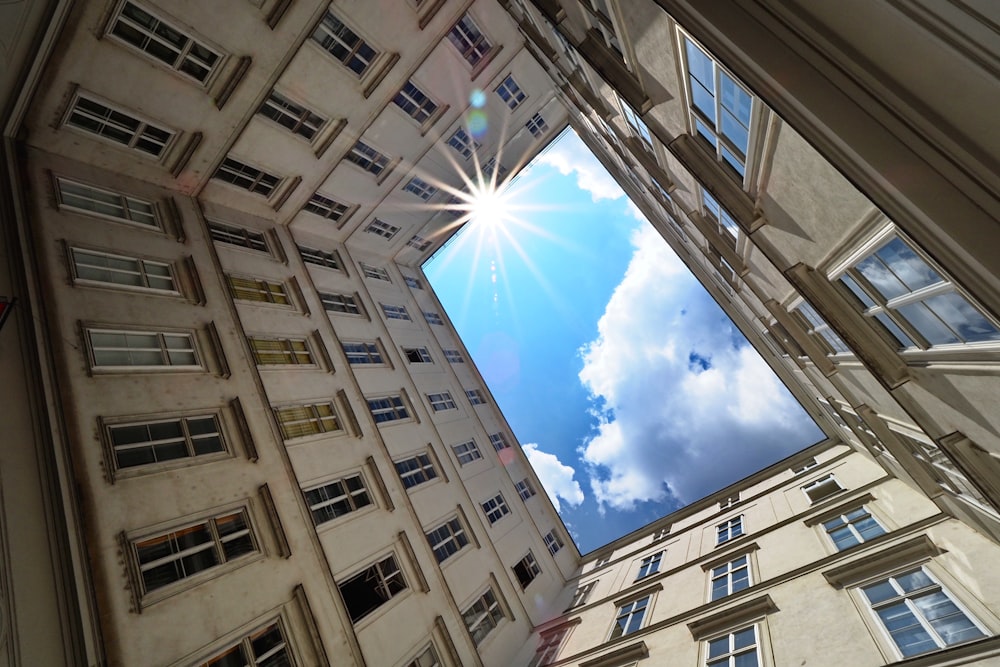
{"x":367,"y":353}
{"x":846,"y":523}
{"x":139,"y":269}
{"x":328,"y":207}
{"x":247,"y":177}
{"x":495,"y":508}
{"x":475,"y":397}
{"x":145,"y":130}
{"x":627,"y":612}
{"x":419,"y":467}
{"x":190,"y":439}
{"x":530,"y":568}
{"x":525,"y":488}
{"x":240,"y":237}
{"x":447,"y":538}
{"x":433,"y":318}
{"x":391,"y":405}
{"x":330,"y":32}
{"x":387,"y":575}
{"x":368,"y":158}
{"x":382,"y":228}
{"x":345,"y":304}
{"x":422,"y":111}
{"x":247,"y":288}
{"x":466,"y":452}
{"x":470,"y":41}
{"x":552,"y":542}
{"x":461,"y":142}
{"x":454,"y":356}
{"x":730,"y":529}
{"x":822,"y":488}
{"x":293,"y":116}
{"x":421,"y":188}
{"x":726,"y":573}
{"x":123,"y":207}
{"x":324,"y":258}
{"x":441,"y":401}
{"x":163,"y":339}
{"x":485,"y":611}
{"x":245,"y":645}
{"x":732,"y":652}
{"x":537,"y":126}
{"x":320,"y":419}
{"x":286,"y":352}
{"x":510,"y":93}
{"x":650,"y":565}
{"x":375,"y":272}
{"x":336,"y":491}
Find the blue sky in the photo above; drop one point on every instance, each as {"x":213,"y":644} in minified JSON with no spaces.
{"x":630,"y":390}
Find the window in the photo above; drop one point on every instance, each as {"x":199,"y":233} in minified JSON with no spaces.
{"x":463,"y":143}
{"x":526,"y":570}
{"x":113,"y":349}
{"x":281,"y":352}
{"x":466,"y":452}
{"x":824,"y":487}
{"x":415,"y":103}
{"x":326,"y":207}
{"x":601,"y":22}
{"x":387,"y":408}
{"x":237,"y":236}
{"x":367,"y":158}
{"x":720,"y":108}
{"x":372,"y":587}
{"x":120,"y":270}
{"x":415,"y":470}
{"x":447,"y":539}
{"x":118,"y":126}
{"x":729,"y":501}
{"x":469,"y":40}
{"x":413,"y":282}
{"x":148,"y":443}
{"x":816,"y":325}
{"x":294,"y":117}
{"x":454,"y":357}
{"x":340,"y":303}
{"x":441,"y":401}
{"x":362,"y":353}
{"x":731,"y":577}
{"x":548,"y":648}
{"x":475,"y":397}
{"x":492,"y":166}
{"x":720,"y":216}
{"x":525,"y":489}
{"x":376,"y":272}
{"x":184,"y":552}
{"x":257,"y":289}
{"x":602,"y":561}
{"x":629,"y":617}
{"x":433,"y":318}
{"x":805,"y":465}
{"x":417,"y":355}
{"x":899,"y":288}
{"x":341,"y":42}
{"x":581,"y":594}
{"x":737,"y":649}
{"x":728,"y":530}
{"x":649,"y":565}
{"x":427,"y":658}
{"x":537,"y":125}
{"x":552,"y":542}
{"x":330,"y":260}
{"x":247,"y":177}
{"x":297,"y":421}
{"x":105,"y":203}
{"x":381,"y":228}
{"x":395,"y":312}
{"x":638,"y":127}
{"x":919,"y":615}
{"x":499,"y":441}
{"x":510,"y":92}
{"x":164,"y":41}
{"x":419,"y":242}
{"x":852,"y":528}
{"x":495,"y":508}
{"x":266,"y":647}
{"x":482,"y":616}
{"x":661,"y":533}
{"x":337,"y":498}
{"x":420,"y":188}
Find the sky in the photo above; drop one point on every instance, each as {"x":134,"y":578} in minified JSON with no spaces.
{"x":630,"y":390}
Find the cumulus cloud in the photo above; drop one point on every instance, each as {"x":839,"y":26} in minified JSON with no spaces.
{"x":684,"y":404}
{"x":574,"y":156}
{"x":555,"y":476}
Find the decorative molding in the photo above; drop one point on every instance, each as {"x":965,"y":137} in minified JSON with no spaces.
{"x":732,"y":616}
{"x":915,"y":551}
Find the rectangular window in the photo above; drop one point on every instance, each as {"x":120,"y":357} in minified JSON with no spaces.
{"x":247,"y":177}
{"x":326,"y":207}
{"x":728,"y":530}
{"x":293,"y":117}
{"x":447,"y":539}
{"x":415,"y":103}
{"x":381,"y":228}
{"x":454,"y":357}
{"x":649,"y":565}
{"x":149,"y":443}
{"x":499,"y":441}
{"x":510,"y":92}
{"x":729,"y":501}
{"x":420,"y":188}
{"x":237,"y":236}
{"x":337,"y":498}
{"x":114,"y":349}
{"x":258,"y":289}
{"x":495,"y":508}
{"x":184,"y":552}
{"x":387,"y":409}
{"x":362,"y":353}
{"x":537,"y":125}
{"x":919,"y":615}
{"x":816,"y":325}
{"x":330,"y":260}
{"x":824,"y":487}
{"x":469,"y":40}
{"x":427,"y":658}
{"x":581,"y":594}
{"x":367,"y":158}
{"x":417,"y":355}
{"x":629,"y":617}
{"x":433,"y":318}
{"x":419,"y":242}
{"x":372,"y":587}
{"x":164,"y":41}
{"x":737,"y":649}
{"x":548,"y":647}
{"x":552,"y":542}
{"x":375,"y":272}
{"x":393,"y":312}
{"x":639,"y":128}
{"x":105,"y":203}
{"x":852,"y":528}
{"x":416,"y":470}
{"x":463,"y":143}
{"x":122,"y":271}
{"x":466,"y":452}
{"x":340,"y":303}
{"x":524,"y":488}
{"x":475,"y":397}
{"x":441,"y":401}
{"x":731,"y":577}
{"x":298,"y":421}
{"x":413,"y":282}
{"x":805,"y":465}
{"x":720,"y":216}
{"x":118,"y":126}
{"x":265,"y":647}
{"x":482,"y":616}
{"x":343,"y":44}
{"x":280,"y":352}
{"x":491,"y":166}
{"x":526,"y":570}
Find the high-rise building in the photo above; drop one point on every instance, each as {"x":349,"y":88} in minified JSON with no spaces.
{"x":239,"y":427}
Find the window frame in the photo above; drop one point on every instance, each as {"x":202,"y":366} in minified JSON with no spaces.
{"x":372,"y":351}
{"x":818,"y":484}
{"x":347,"y":495}
{"x":334,"y":36}
{"x":420,"y":188}
{"x":303,"y":358}
{"x":329,"y":208}
{"x":421,"y":114}
{"x":497,"y":505}
{"x":322,"y":428}
{"x":441,"y":401}
{"x":733,"y":651}
{"x":271,"y":291}
{"x":292,"y":116}
{"x":221,"y":232}
{"x":552,"y":539}
{"x":537,"y":126}
{"x":141,"y":271}
{"x":626,"y":611}
{"x":469,"y":43}
{"x":450,"y":544}
{"x":75,"y":116}
{"x":725,"y":572}
{"x":727,"y":528}
{"x":420,"y":470}
{"x":163,"y":348}
{"x":528,"y":565}
{"x":513,"y":95}
{"x":650,"y":565}
{"x":369,"y":159}
{"x":385,"y":575}
{"x":525,"y":489}
{"x":473,"y":620}
{"x":398,"y":408}
{"x":467,"y":452}
{"x":110,"y":425}
{"x":128,"y":211}
{"x":847,"y":523}
{"x":323,"y":258}
{"x":343,"y":304}
{"x":247,"y":177}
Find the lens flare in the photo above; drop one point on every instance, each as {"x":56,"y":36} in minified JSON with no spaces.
{"x":477,"y":122}
{"x":477,"y":98}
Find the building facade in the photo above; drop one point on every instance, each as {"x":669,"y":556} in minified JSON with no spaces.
{"x":242,"y":428}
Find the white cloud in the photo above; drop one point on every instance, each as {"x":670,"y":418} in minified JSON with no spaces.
{"x":555,"y":476}
{"x":572,"y":155}
{"x":684,"y":404}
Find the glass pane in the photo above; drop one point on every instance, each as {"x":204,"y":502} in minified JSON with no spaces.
{"x":744,"y":638}
{"x":703,"y":100}
{"x":893,"y":328}
{"x":962,"y":317}
{"x":884,"y":281}
{"x":910,"y":268}
{"x":930,"y":327}
{"x":879,"y":592}
{"x":718,"y":647}
{"x":735,"y":99}
{"x":699,"y":65}
{"x":855,"y":289}
{"x":748,"y":659}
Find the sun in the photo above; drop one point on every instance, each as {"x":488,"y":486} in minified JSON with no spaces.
{"x":488,"y":207}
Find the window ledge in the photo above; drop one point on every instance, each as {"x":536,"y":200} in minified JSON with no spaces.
{"x":911,"y":552}
{"x":962,"y":654}
{"x":636,"y":651}
{"x":732,"y":617}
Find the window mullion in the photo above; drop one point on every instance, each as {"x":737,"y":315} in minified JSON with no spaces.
{"x":188,"y":440}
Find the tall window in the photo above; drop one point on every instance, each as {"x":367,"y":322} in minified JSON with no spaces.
{"x":387,"y":408}
{"x":164,"y":41}
{"x":372,"y":587}
{"x":463,"y":143}
{"x":720,"y":108}
{"x":441,"y":401}
{"x":510,"y":92}
{"x":921,"y":308}
{"x":415,"y":470}
{"x":737,"y":649}
{"x":123,"y":271}
{"x":629,"y":617}
{"x":526,"y":570}
{"x":367,"y":158}
{"x":113,"y":349}
{"x":525,"y":489}
{"x":548,"y":648}
{"x":420,"y":188}
{"x":105,"y":203}
{"x":258,"y":289}
{"x":638,"y":127}
{"x":375,"y":272}
{"x":650,"y":565}
{"x":720,"y":216}
{"x":340,"y":303}
{"x":297,"y":421}
{"x":326,"y":207}
{"x":415,"y":103}
{"x":148,"y":443}
{"x":381,"y":228}
{"x":343,"y":44}
{"x":292,"y":116}
{"x":495,"y":508}
{"x":728,"y":530}
{"x":482,"y":616}
{"x":499,"y":441}
{"x":731,"y":577}
{"x":581,"y":594}
{"x":447,"y":539}
{"x":280,"y":352}
{"x":475,"y":397}
{"x":469,"y":40}
{"x":247,"y":177}
{"x":552,"y":542}
{"x":919,"y":615}
{"x":816,"y":325}
{"x":537,"y":125}
{"x":238,"y":236}
{"x":427,"y":658}
{"x":265,"y":647}
{"x":337,"y":498}
{"x":393,"y":312}
{"x":330,"y":260}
{"x":433,"y":318}
{"x":118,"y":126}
{"x":852,"y":528}
{"x":362,"y":353}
